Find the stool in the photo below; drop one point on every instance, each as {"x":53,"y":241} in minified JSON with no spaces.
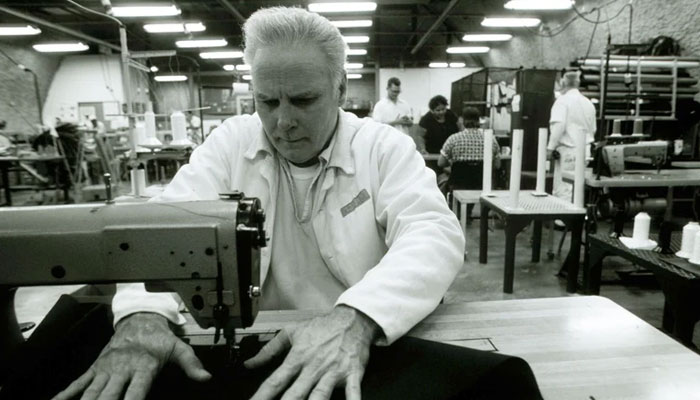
{"x":460,"y":199}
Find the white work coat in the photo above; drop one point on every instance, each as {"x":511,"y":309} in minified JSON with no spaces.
{"x":397,"y":252}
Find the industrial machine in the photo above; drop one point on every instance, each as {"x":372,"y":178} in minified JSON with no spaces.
{"x":613,"y":155}
{"x":206,"y":251}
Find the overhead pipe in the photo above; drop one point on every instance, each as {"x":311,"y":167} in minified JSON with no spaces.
{"x":230,"y":8}
{"x":434,"y":26}
{"x":59,"y":28}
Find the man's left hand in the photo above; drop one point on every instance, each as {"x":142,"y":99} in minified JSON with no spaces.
{"x":324,"y":352}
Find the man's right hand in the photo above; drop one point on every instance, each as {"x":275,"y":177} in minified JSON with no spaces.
{"x":142,"y":344}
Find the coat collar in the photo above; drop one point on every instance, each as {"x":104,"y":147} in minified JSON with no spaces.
{"x":338,"y":154}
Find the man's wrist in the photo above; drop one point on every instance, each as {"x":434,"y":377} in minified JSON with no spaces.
{"x":357,"y":319}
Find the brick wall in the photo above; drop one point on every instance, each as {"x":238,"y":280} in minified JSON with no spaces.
{"x":18,"y":105}
{"x":651,"y":18}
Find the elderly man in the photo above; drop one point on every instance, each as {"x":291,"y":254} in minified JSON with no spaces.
{"x":391,"y":110}
{"x":356,"y":223}
{"x":572,"y":114}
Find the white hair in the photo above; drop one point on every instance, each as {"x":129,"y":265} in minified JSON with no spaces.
{"x":292,"y":25}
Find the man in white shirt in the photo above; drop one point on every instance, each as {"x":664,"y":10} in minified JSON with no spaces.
{"x":391,"y":110}
{"x":356,"y":224}
{"x":572,"y":114}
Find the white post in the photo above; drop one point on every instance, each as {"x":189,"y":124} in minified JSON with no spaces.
{"x":515,"y":166}
{"x":488,"y":161}
{"x":541,"y":160}
{"x":580,"y":167}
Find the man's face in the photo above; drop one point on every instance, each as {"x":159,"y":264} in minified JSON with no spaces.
{"x":295,"y":99}
{"x":393,"y":92}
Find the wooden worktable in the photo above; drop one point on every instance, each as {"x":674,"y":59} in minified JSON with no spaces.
{"x":641,"y":178}
{"x":580,"y":347}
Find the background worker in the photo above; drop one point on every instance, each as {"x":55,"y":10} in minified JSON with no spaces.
{"x":391,"y":110}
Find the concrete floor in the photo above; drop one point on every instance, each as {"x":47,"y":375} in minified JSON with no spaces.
{"x":640,"y":294}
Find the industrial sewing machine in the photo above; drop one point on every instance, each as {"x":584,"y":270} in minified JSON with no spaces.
{"x":613,"y":156}
{"x":206,"y":251}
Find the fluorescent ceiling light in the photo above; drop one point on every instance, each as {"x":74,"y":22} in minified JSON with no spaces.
{"x":188,"y":44}
{"x":356,"y":39}
{"x":19,"y":30}
{"x":154,"y":68}
{"x":221,"y":54}
{"x":468,"y":49}
{"x":170,"y":78}
{"x":353,"y":65}
{"x":242,"y":67}
{"x":175,"y":27}
{"x":457,"y":65}
{"x":498,"y":22}
{"x":60,"y":47}
{"x":360,"y":23}
{"x":145,"y":11}
{"x":539,"y":4}
{"x":437,"y":65}
{"x":487,"y":37}
{"x":342,"y":7}
{"x":247,"y":77}
{"x":356,"y":52}
{"x":229,"y":67}
{"x":354,"y":76}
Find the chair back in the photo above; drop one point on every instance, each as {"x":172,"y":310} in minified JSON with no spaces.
{"x":466,"y":175}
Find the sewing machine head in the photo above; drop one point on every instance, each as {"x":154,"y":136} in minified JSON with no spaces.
{"x":614,"y":156}
{"x":206,"y":251}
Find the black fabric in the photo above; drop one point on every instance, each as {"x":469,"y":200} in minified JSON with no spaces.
{"x":436,"y":133}
{"x":73,"y":334}
{"x":466,"y":175}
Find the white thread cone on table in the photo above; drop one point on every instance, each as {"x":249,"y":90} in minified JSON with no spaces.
{"x":515,"y":166}
{"x":640,"y":234}
{"x":138,"y":181}
{"x":579,"y":168}
{"x":178,"y":124}
{"x":139,"y":131}
{"x":150,"y":125}
{"x":638,"y":127}
{"x":695,"y":258}
{"x":488,"y":161}
{"x":617,"y":131}
{"x":688,"y":240}
{"x":541,"y":162}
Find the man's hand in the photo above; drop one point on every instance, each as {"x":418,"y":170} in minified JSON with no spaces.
{"x":141,"y":345}
{"x":325,"y":352}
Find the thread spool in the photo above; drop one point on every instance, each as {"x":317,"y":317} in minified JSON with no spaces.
{"x":695,"y":258}
{"x":515,"y":166}
{"x":150,"y":124}
{"x":541,"y":160}
{"x":178,"y":124}
{"x":688,"y":241}
{"x":138,"y":181}
{"x":638,"y":127}
{"x":640,"y":231}
{"x":140,"y":133}
{"x":488,"y":161}
{"x":617,"y":130}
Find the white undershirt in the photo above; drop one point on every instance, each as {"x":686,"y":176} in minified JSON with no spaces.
{"x":296,"y":266}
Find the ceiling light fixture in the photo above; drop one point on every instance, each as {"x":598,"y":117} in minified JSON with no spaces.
{"x":247,"y":77}
{"x":154,"y":68}
{"x":457,"y":65}
{"x":229,"y":67}
{"x":196,"y":43}
{"x":356,"y":52}
{"x":342,"y":7}
{"x":242,"y":67}
{"x":170,"y":78}
{"x":468,"y":50}
{"x":175,"y":27}
{"x":19,"y":30}
{"x":356,"y":39}
{"x":360,"y":23}
{"x":499,"y":22}
{"x":145,"y":11}
{"x":539,"y":4}
{"x":64,"y":47}
{"x":486,"y":37}
{"x":212,"y":55}
{"x":354,"y":76}
{"x":437,"y":64}
{"x":353,"y":65}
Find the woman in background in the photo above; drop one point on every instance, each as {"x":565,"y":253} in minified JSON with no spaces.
{"x":439,"y":123}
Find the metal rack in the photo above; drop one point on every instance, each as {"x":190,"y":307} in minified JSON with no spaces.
{"x":638,"y":87}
